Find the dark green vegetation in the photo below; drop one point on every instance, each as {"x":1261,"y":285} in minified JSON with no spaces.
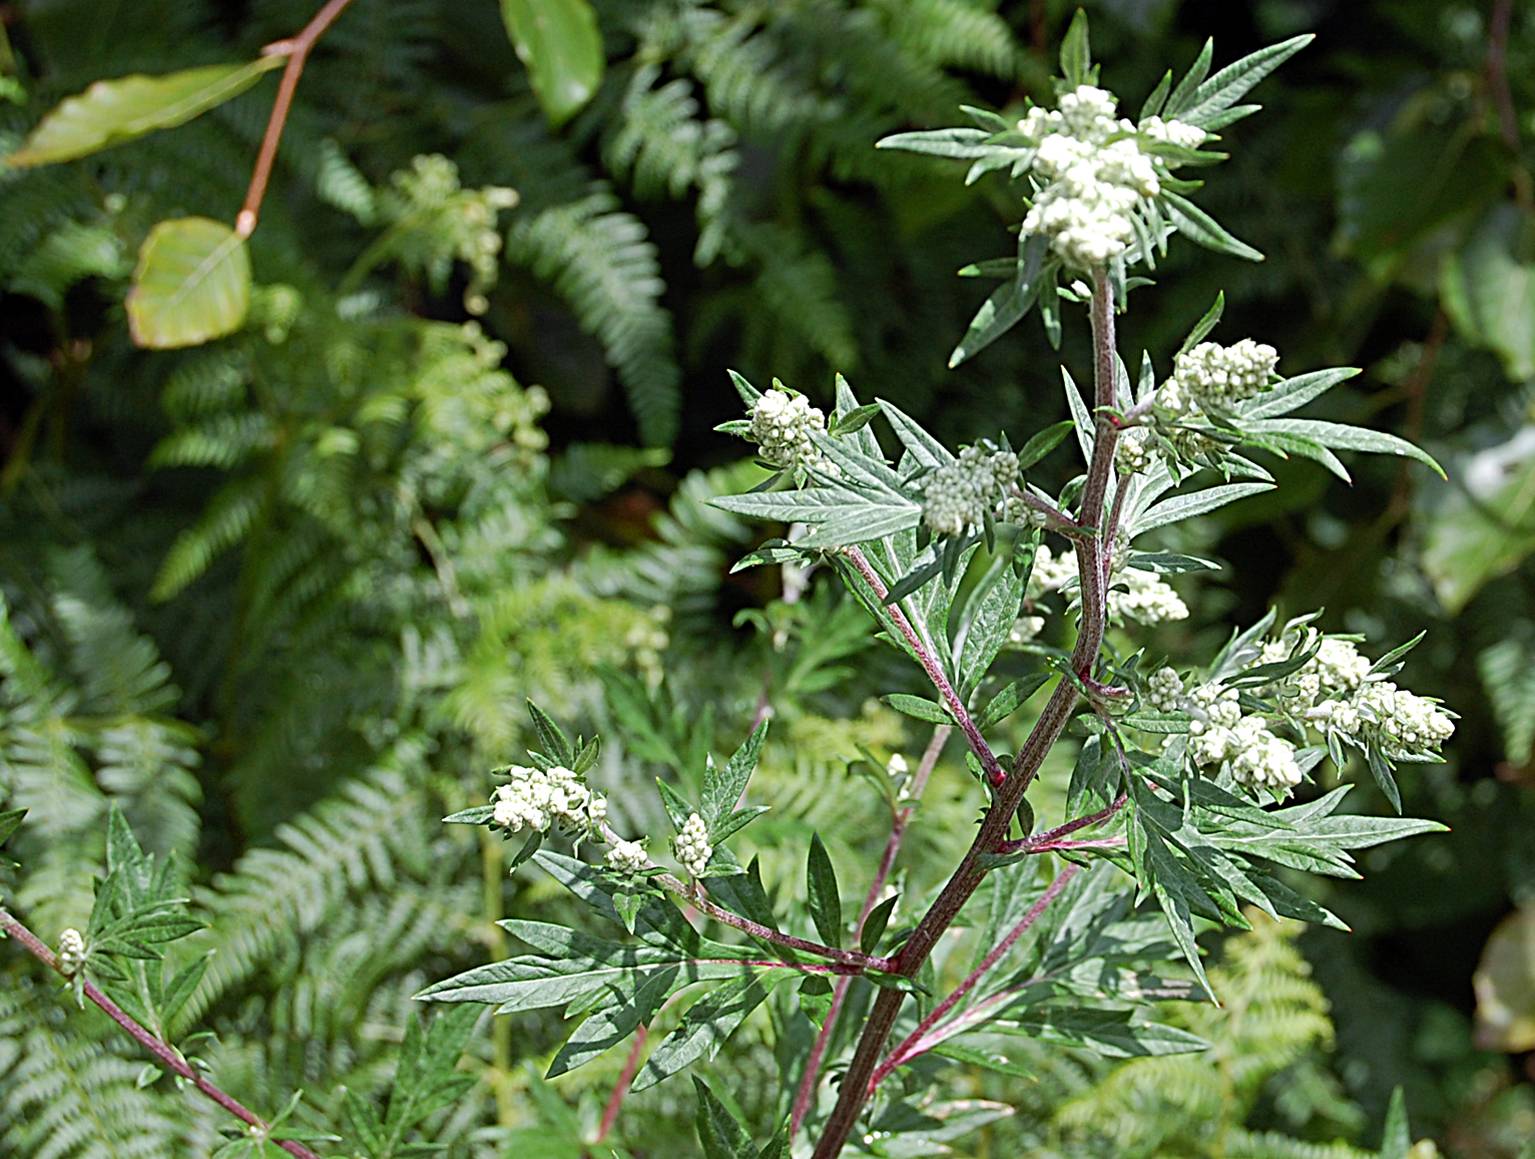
{"x":280,"y":597}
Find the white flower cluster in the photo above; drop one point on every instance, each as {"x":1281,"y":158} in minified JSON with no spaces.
{"x":1164,"y":690}
{"x":1174,"y":132}
{"x":961,"y":494}
{"x":1096,"y":174}
{"x":71,"y":952}
{"x":627,"y":857}
{"x":782,"y":423}
{"x":1402,"y":723}
{"x":1212,"y":377}
{"x":542,"y":800}
{"x":1141,"y":596}
{"x":1134,"y":450}
{"x":1220,"y":734}
{"x":692,"y":847}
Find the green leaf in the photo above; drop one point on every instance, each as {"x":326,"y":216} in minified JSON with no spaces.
{"x":917,"y":707}
{"x":192,"y":284}
{"x":1396,"y":1137}
{"x":559,"y":43}
{"x":552,"y":740}
{"x":960,"y":143}
{"x":1234,"y":81}
{"x":1043,"y":443}
{"x":1294,"y":393}
{"x":113,"y":111}
{"x":1346,"y":438}
{"x":723,"y":788}
{"x":707,"y":1024}
{"x":719,"y":1132}
{"x":474,"y":815}
{"x":1205,"y":324}
{"x":1181,"y":507}
{"x":1007,"y":304}
{"x":874,"y":925}
{"x":1110,"y":1033}
{"x":1202,"y":229}
{"x":1182,"y":96}
{"x":924,"y":449}
{"x":1010,"y":699}
{"x":10,"y":821}
{"x":822,"y":895}
{"x":1076,"y":52}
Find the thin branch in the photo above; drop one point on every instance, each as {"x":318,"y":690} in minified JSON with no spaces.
{"x":805,"y":1096}
{"x":930,"y":665}
{"x":913,"y":1044}
{"x":1047,"y":729}
{"x":163,"y":1052}
{"x":621,"y":1087}
{"x":296,"y":49}
{"x":1032,"y":844}
{"x":852,"y":960}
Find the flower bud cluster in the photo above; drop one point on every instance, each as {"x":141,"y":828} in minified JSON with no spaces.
{"x":627,"y":857}
{"x":782,"y":424}
{"x":71,"y":952}
{"x":648,"y":640}
{"x":692,"y":847}
{"x":1134,"y":450}
{"x":545,"y":799}
{"x":1164,"y":690}
{"x":1211,"y":377}
{"x":1096,"y":174}
{"x":1135,"y":595}
{"x":1220,"y":734}
{"x":959,"y":495}
{"x":1402,"y":723}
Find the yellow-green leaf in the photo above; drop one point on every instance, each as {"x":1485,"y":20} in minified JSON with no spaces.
{"x":192,"y":284}
{"x":559,"y":43}
{"x":113,"y":111}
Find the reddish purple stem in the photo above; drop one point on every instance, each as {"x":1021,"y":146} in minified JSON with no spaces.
{"x":163,"y":1052}
{"x":914,"y":1044}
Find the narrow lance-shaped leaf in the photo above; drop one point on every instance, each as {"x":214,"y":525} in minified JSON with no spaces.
{"x":822,"y":894}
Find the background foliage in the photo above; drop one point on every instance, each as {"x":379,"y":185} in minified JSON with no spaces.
{"x":280,"y":597}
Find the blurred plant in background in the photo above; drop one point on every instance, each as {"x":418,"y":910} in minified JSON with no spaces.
{"x":278,"y":596}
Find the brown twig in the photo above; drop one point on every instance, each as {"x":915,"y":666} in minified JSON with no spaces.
{"x":165,"y":1054}
{"x":296,"y":49}
{"x":805,"y":1096}
{"x":1092,"y":570}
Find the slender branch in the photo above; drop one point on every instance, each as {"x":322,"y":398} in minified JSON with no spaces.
{"x":913,"y":1044}
{"x":967,"y":877}
{"x":163,"y":1052}
{"x":930,"y":665}
{"x":851,"y":959}
{"x":296,"y":49}
{"x":621,"y":1087}
{"x":1055,"y":518}
{"x":805,"y":1096}
{"x":1033,"y":843}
